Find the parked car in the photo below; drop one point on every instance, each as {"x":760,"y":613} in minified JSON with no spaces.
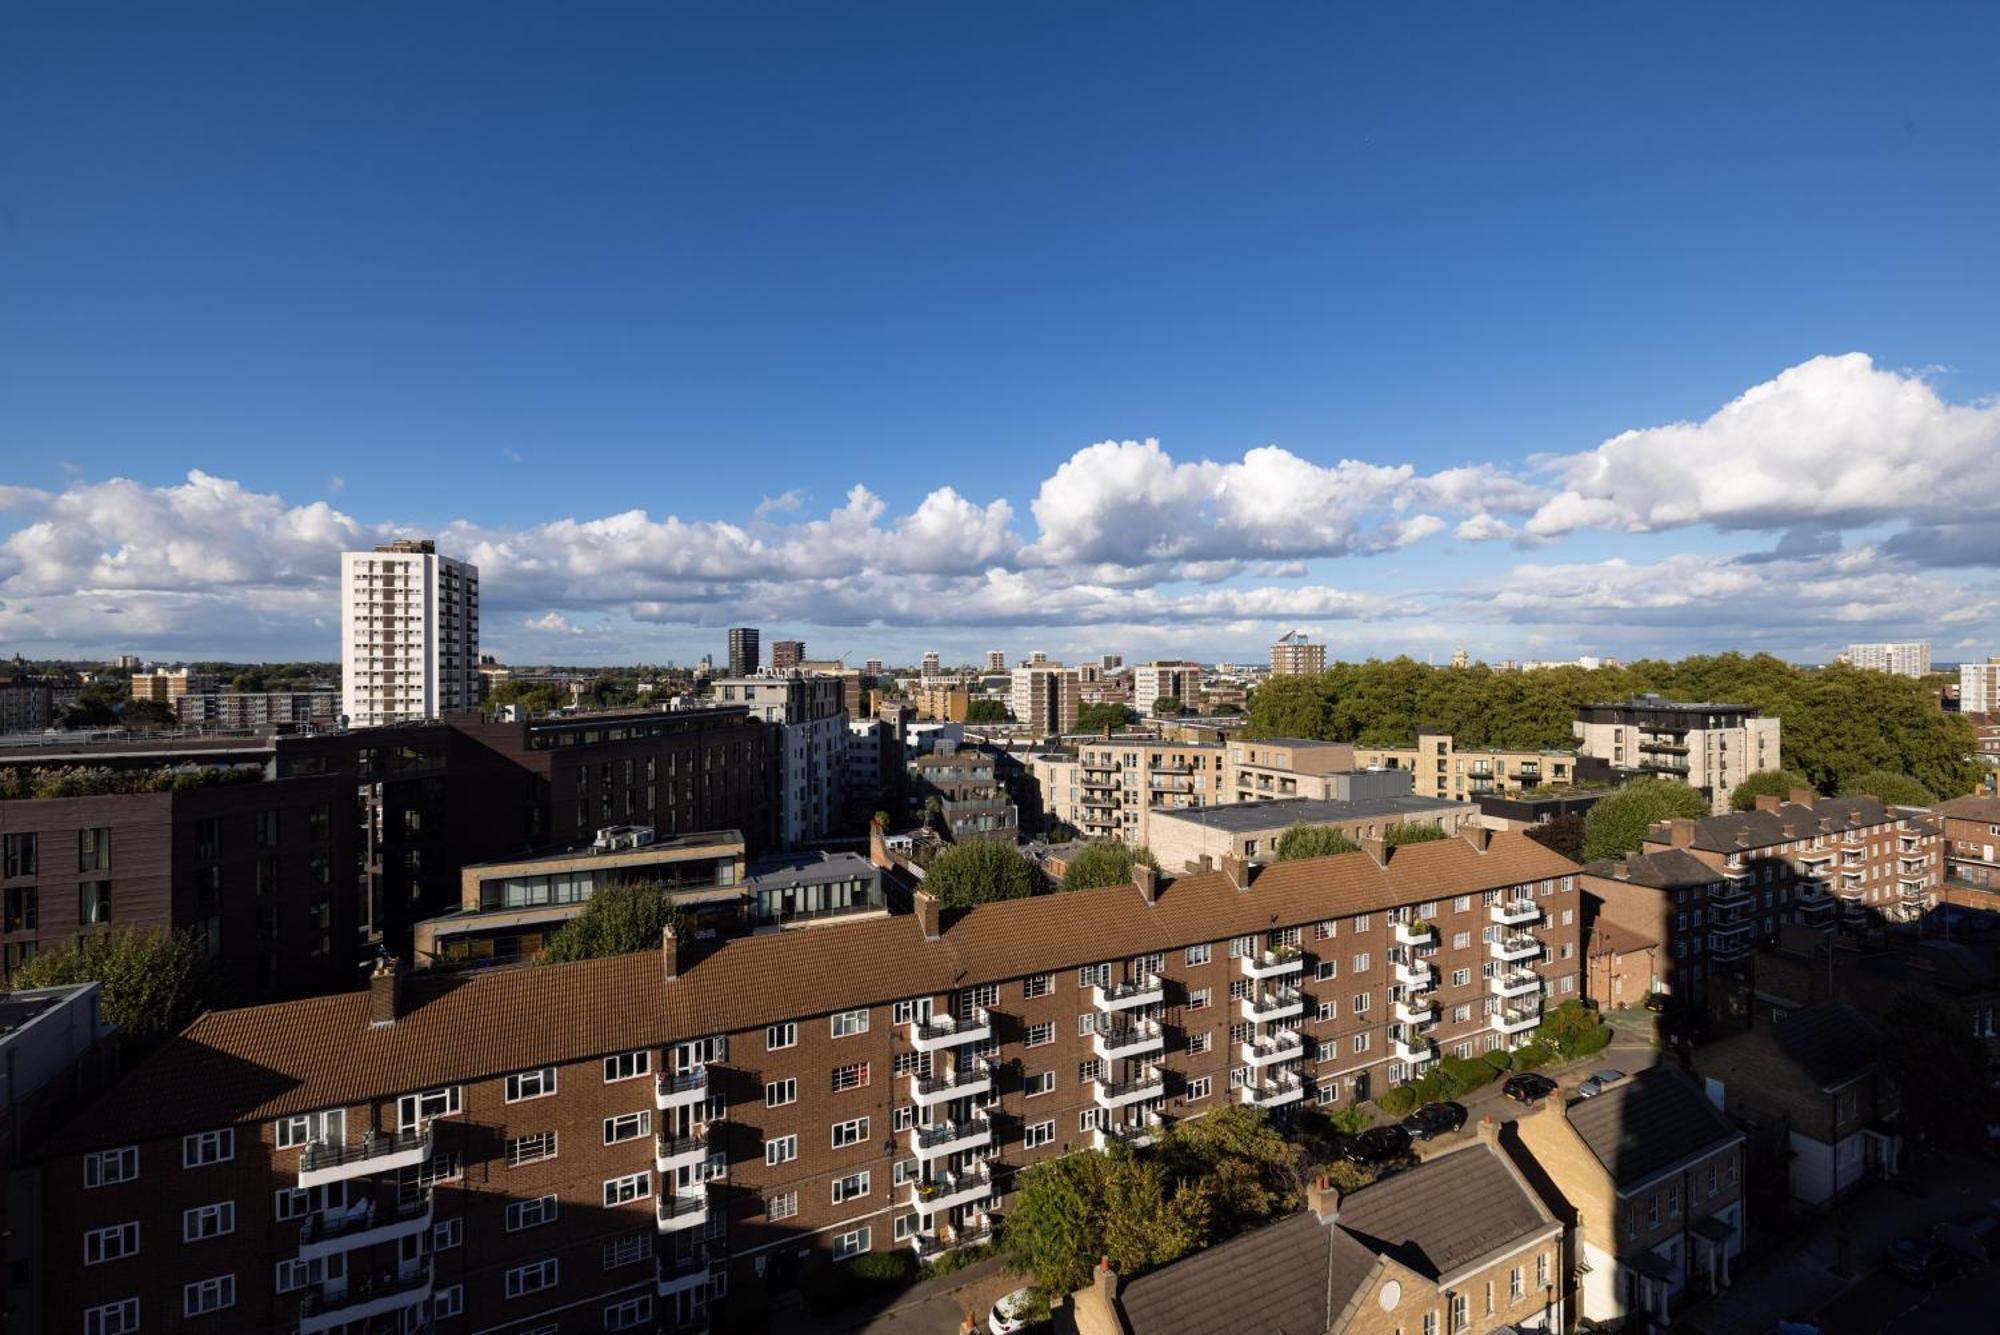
{"x":1974,"y":1236}
{"x":1921,"y":1261}
{"x":1377,"y":1145}
{"x":1435,"y":1119}
{"x":1657,"y":1002}
{"x":1016,"y":1312}
{"x":1597,"y":1083}
{"x":1528,"y":1087}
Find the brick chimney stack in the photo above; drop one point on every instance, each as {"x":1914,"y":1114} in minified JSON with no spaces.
{"x":1376,"y":849}
{"x":1237,"y":869}
{"x":385,"y":993}
{"x":1805,"y":797}
{"x":1769,"y":801}
{"x":1680,"y":832}
{"x":1323,"y":1199}
{"x":928,"y":914}
{"x":1478,"y":836}
{"x":673,"y":952}
{"x":1148,"y":882}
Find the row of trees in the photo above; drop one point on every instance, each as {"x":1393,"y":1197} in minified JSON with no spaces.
{"x":981,"y":873}
{"x":1840,"y":723}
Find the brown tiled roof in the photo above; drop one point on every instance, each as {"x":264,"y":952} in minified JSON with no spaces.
{"x":1970,"y":807}
{"x":261,"y":1062}
{"x":1610,"y":938}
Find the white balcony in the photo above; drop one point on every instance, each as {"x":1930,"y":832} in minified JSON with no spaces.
{"x":1413,"y":1050}
{"x":1113,"y":1040}
{"x":322,"y":1163}
{"x":1150,"y":1083}
{"x":1516,"y":1019}
{"x":1135,"y":1137}
{"x":1272,"y":963}
{"x":1416,"y":933}
{"x":681,"y":1089}
{"x":1280,"y":1045}
{"x":679,"y":1211}
{"x":933,"y":1243}
{"x":940,"y":1139}
{"x":944,"y":1031}
{"x":1416,"y":1010}
{"x":671,"y":1153}
{"x":930,"y":1090}
{"x":363,"y":1224}
{"x":1277,"y":1090}
{"x":1148,"y":991}
{"x":1913,"y":887}
{"x":353,"y":1303}
{"x":1282,"y":1003}
{"x":1517,"y":946}
{"x":948,"y":1191}
{"x":682,"y":1274}
{"x":1416,"y":975}
{"x":1514,"y":983}
{"x":1815,"y":906}
{"x":1514,"y":912}
{"x":1817,"y":857}
{"x":1909,"y":866}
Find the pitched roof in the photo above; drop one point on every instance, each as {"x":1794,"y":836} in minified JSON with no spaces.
{"x":1289,"y":1278}
{"x":261,"y":1062}
{"x":1792,"y":820}
{"x":1970,"y":807}
{"x":1665,"y":869}
{"x":1832,"y":1040}
{"x":1610,"y":938}
{"x":1641,"y":1127}
{"x":1447,"y":1212}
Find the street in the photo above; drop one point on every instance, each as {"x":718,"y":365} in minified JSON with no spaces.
{"x":1884,"y":1305}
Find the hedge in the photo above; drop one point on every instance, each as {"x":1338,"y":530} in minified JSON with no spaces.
{"x":1500,"y":1060}
{"x":1397,"y":1102}
{"x":1594,"y":1041}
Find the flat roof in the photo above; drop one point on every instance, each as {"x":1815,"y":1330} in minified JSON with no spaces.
{"x":1294,"y":741}
{"x":807,"y":869}
{"x":1242,"y":817}
{"x":1661,"y":702}
{"x":676,"y":843}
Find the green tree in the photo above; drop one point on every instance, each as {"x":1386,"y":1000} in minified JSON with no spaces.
{"x":1777,"y":783}
{"x":987,"y":711}
{"x":1897,"y":790}
{"x":1617,"y":825}
{"x":1096,"y":718}
{"x":1929,"y":1052}
{"x":154,"y":982}
{"x":1068,"y":1212}
{"x":1561,"y":835}
{"x":1105,"y":862}
{"x":979,"y":873}
{"x":1168,"y":706}
{"x":148,"y":715}
{"x":617,"y":920}
{"x":1407,"y":832}
{"x":249,"y":681}
{"x":97,"y":705}
{"x":1313,"y":841}
{"x":1565,"y":1026}
{"x":1249,"y":1171}
{"x":535,"y":697}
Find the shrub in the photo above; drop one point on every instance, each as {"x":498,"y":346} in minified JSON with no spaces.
{"x":1533,"y":1055}
{"x":1351,"y":1119}
{"x":961,"y":1257}
{"x":1107,"y":862}
{"x":1465,"y":1073}
{"x":1500,"y":1060}
{"x":968,"y":874}
{"x":1313,"y":841}
{"x":1594,"y":1041}
{"x":1397,"y":1102}
{"x":1396,"y":836}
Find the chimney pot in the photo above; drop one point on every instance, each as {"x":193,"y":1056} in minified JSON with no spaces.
{"x":385,"y":993}
{"x":927,"y":914}
{"x":1323,"y":1199}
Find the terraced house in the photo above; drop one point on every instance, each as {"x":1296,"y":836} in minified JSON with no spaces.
{"x":615,"y":1143}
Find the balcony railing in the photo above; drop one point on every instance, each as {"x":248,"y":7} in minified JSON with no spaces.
{"x":1133,"y":1137}
{"x":1416,"y":1010}
{"x":1516,"y":1019}
{"x":322,"y":1163}
{"x":681,"y":1089}
{"x":683,"y":1273}
{"x":1112,"y":1040}
{"x":1416,"y":933}
{"x":363,"y":1224}
{"x":948,"y":1191}
{"x":1280,"y":1003}
{"x":945,"y":1031}
{"x":362,"y":1300}
{"x":1517,"y":946}
{"x":1415,"y":975}
{"x":1514,"y":983}
{"x":942,"y":1138}
{"x":1280,"y":1045}
{"x":1411,"y":1048}
{"x":1273,"y":963}
{"x":1150,"y":1083}
{"x":933,"y":1243}
{"x":1148,"y":991}
{"x":976,"y":1078}
{"x":1514,"y":912}
{"x":682,"y":1210}
{"x":674,"y":1152}
{"x":1277,"y":1089}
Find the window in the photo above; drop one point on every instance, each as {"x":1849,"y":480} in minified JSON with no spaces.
{"x":23,"y":908}
{"x":1200,"y":1043}
{"x":1514,"y":1285}
{"x":782,"y":1150}
{"x":413,"y":1110}
{"x":533,"y":1277}
{"x":631,"y":1187}
{"x":1360,"y":964}
{"x":1461,"y":1314}
{"x":1360,"y":922}
{"x":1325,"y":970}
{"x":1198,"y":999}
{"x":93,"y":903}
{"x":93,"y":848}
{"x":627,"y":1126}
{"x":449,"y":1301}
{"x":1327,"y":1010}
{"x":1199,"y":1088}
{"x":20,"y":855}
{"x":536,"y":1084}
{"x":1194,"y":955}
{"x":1086,"y":1024}
{"x":110,"y":1167}
{"x":848,"y":1023}
{"x":630,"y":1314}
{"x":1038,"y":985}
{"x":1542,"y":1270}
{"x":1360,"y":1043}
{"x":851,"y":1243}
{"x":110,"y":1244}
{"x":850,"y":1077}
{"x":983,"y":994}
{"x":628,"y":1066}
{"x":1042,"y":1082}
{"x":207,"y":1147}
{"x":1039,"y":1035}
{"x":208,"y":1221}
{"x":778,"y":1093}
{"x":852,"y":1187}
{"x":851,"y":1132}
{"x":447,"y":1234}
{"x":1461,"y":977}
{"x":1037,"y":1134}
{"x":303,"y":1129}
{"x":783,"y":1205}
{"x":531,"y":1213}
{"x":778,"y":1037}
{"x":531,"y":1148}
{"x":119,"y":1318}
{"x":1362,"y":1001}
{"x":208,"y":1295}
{"x":1089,"y":1119}
{"x":297,"y":1202}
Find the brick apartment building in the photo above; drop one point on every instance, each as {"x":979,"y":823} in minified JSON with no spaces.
{"x":614,"y":1143}
{"x":1972,"y":844}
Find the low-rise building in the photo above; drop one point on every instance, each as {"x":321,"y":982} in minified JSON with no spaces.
{"x":1274,"y":767}
{"x":1709,"y":747}
{"x":1649,"y":1175}
{"x":1251,"y":830}
{"x":1703,"y":923}
{"x":1460,"y":1243}
{"x":1971,"y":843}
{"x":258,"y":709}
{"x":1621,"y":967}
{"x":1443,"y":768}
{"x":972,"y":802}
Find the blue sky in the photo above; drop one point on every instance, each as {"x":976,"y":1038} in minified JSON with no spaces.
{"x":275,"y":278}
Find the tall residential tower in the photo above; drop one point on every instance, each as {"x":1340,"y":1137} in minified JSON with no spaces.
{"x":409,"y":633}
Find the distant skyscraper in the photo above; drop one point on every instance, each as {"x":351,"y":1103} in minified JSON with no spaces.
{"x":1979,"y":687}
{"x":932,"y":663}
{"x":1297,"y":658}
{"x":745,"y":651}
{"x":1111,"y":662}
{"x":787,"y":653}
{"x":409,"y":634}
{"x":1911,"y":658}
{"x":996,"y":660}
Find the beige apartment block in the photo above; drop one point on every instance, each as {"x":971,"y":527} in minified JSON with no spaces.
{"x":1118,"y":784}
{"x":1273,"y":767}
{"x":1445,"y":769}
{"x":1251,"y":830}
{"x":1297,"y":658}
{"x":1706,"y":746}
{"x":1045,"y":697}
{"x":1176,"y":679}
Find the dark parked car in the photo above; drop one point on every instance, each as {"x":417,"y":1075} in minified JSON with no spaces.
{"x":1658,"y":1002}
{"x":1921,"y":1261}
{"x":1435,"y":1119}
{"x":1528,"y":1087}
{"x":1377,"y":1145}
{"x":1974,"y":1236}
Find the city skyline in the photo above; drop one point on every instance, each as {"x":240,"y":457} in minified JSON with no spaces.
{"x":783,"y":323}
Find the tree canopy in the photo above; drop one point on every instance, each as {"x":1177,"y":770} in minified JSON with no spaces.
{"x":1105,"y":862}
{"x":1313,"y":841}
{"x":1617,"y":825}
{"x":1561,"y":835}
{"x":1777,"y":783}
{"x":979,"y":873}
{"x":1929,"y":1051}
{"x":1898,"y":790}
{"x":1412,"y":832}
{"x":534,"y":696}
{"x":1168,"y":706}
{"x":1096,"y":718}
{"x":617,"y":920}
{"x":154,"y":982}
{"x":1838,"y":722}
{"x":987,"y":711}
